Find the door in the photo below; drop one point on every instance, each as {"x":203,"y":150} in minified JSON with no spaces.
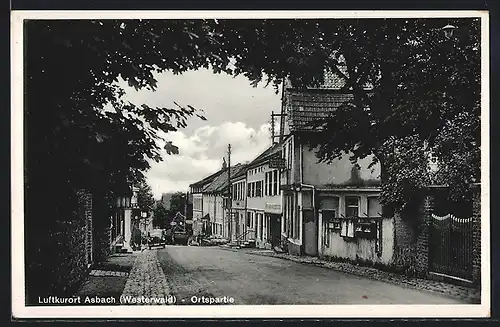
{"x":310,"y":233}
{"x":237,"y":221}
{"x":261,"y":226}
{"x":275,"y":230}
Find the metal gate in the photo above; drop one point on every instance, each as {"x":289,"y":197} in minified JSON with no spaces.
{"x":450,"y":245}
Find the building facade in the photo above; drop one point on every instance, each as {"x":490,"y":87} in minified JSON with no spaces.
{"x":200,"y":211}
{"x":264,"y":199}
{"x":330,"y":209}
{"x":212,"y":194}
{"x":239,"y":228}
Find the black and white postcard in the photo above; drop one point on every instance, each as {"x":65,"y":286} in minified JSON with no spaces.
{"x":250,"y":164}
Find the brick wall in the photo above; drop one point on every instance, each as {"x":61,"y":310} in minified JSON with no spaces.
{"x":411,"y":233}
{"x":422,"y":242}
{"x":476,"y":234}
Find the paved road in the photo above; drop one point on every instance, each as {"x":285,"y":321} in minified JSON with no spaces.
{"x":252,"y":279}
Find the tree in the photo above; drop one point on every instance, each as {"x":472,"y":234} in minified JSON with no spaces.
{"x":420,"y":83}
{"x":160,"y":216}
{"x":408,"y":81}
{"x":177,"y":203}
{"x":94,"y":138}
{"x":145,"y":198}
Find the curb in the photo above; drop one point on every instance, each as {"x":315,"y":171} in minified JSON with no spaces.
{"x":470,"y":295}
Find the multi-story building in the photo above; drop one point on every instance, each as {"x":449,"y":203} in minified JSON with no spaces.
{"x":330,"y":209}
{"x":239,"y":229}
{"x":199,"y":211}
{"x":212,"y":194}
{"x":264,"y":199}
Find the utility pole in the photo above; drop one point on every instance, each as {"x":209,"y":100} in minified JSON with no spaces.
{"x":185,"y":210}
{"x":283,"y":112}
{"x":229,"y":197}
{"x":272,"y":128}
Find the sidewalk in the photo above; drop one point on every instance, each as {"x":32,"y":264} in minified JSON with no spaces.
{"x":108,"y":278}
{"x":467,"y":294}
{"x":147,"y":280}
{"x":135,"y":277}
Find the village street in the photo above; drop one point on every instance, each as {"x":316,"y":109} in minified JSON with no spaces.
{"x":253,"y":279}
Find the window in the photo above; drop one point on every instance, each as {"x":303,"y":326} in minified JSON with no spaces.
{"x":275,"y":182}
{"x":352,"y":206}
{"x":249,"y":190}
{"x":347,"y":228}
{"x":266,"y":187}
{"x":374,"y":208}
{"x":289,"y":161}
{"x":258,"y":189}
{"x":271,"y":183}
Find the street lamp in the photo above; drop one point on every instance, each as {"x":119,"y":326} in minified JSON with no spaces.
{"x":448,"y":30}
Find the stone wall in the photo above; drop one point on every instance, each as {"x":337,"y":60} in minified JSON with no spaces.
{"x":60,"y":262}
{"x":59,"y":259}
{"x":476,"y":235}
{"x":411,"y":237}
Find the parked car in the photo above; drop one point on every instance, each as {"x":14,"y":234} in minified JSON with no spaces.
{"x":157,"y":238}
{"x":181,"y":237}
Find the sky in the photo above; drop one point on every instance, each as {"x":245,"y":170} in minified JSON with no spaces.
{"x":237,"y":114}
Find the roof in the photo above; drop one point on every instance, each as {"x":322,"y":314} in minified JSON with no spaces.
{"x":331,"y":81}
{"x":206,"y":180}
{"x":220,"y":183}
{"x":306,"y":106}
{"x":273,"y":150}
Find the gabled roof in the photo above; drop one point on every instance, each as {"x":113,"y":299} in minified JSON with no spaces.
{"x":306,"y":106}
{"x":221,"y":182}
{"x":207,"y":180}
{"x":272,"y":151}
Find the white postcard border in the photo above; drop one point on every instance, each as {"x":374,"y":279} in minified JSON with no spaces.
{"x":19,"y":310}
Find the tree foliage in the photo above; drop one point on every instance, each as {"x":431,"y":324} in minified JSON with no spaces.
{"x":81,"y":129}
{"x":145,"y":198}
{"x":177,"y":203}
{"x":161,"y":218}
{"x":411,"y":85}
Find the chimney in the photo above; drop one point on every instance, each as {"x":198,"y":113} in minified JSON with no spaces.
{"x":224,"y":164}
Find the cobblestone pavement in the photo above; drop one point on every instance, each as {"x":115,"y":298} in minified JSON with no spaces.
{"x":98,"y":272}
{"x":147,"y":279}
{"x":466,"y":294}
